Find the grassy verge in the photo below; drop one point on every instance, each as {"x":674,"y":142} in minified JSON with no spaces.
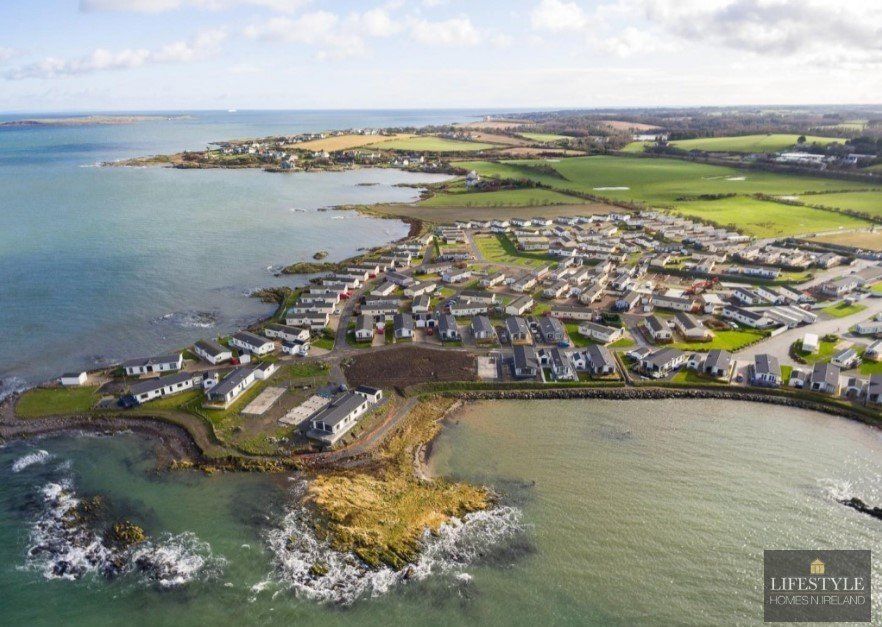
{"x":726,"y":340}
{"x":380,"y":514}
{"x":843,"y":309}
{"x":52,"y":401}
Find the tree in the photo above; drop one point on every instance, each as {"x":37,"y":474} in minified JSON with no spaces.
{"x":801,"y":139}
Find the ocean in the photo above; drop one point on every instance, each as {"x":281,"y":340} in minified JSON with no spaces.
{"x":609,"y":513}
{"x":102,"y":264}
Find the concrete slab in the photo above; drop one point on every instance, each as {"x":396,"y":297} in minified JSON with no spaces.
{"x":263,"y":401}
{"x":487,"y":368}
{"x":303,"y":411}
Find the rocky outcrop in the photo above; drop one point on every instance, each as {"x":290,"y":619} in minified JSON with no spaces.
{"x":858,"y":505}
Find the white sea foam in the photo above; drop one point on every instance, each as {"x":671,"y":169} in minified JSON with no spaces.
{"x":312,"y":569}
{"x":63,"y":546}
{"x":37,"y":457}
{"x":188,"y":319}
{"x":11,"y":385}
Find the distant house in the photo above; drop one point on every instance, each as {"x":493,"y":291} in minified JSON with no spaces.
{"x":599,"y":361}
{"x":148,"y":365}
{"x":561,"y":367}
{"x":517,"y":330}
{"x":690,"y":327}
{"x":874,"y":390}
{"x":627,"y":302}
{"x":825,"y":379}
{"x":421,"y":304}
{"x":572,"y":312}
{"x":519,"y":306}
{"x":164,"y":386}
{"x":552,"y":330}
{"x":296,"y":347}
{"x":525,"y":362}
{"x":447,"y":328}
{"x":658,"y":329}
{"x":846,"y":358}
{"x":662,"y":362}
{"x":387,"y":288}
{"x":482,"y":329}
{"x":73,"y":379}
{"x":765,"y":371}
{"x":718,"y":363}
{"x":285,"y":332}
{"x":874,"y":351}
{"x":402,"y":324}
{"x":364,"y":328}
{"x":600,"y":332}
{"x":747,"y":317}
{"x":456,"y":275}
{"x":252,"y":343}
{"x":213,"y":352}
{"x":232,"y":386}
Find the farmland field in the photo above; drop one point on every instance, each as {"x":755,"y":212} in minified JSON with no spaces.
{"x":859,"y":239}
{"x":546,"y":137}
{"x":535,"y":197}
{"x":344,"y":142}
{"x":661,"y":182}
{"x":865,"y":202}
{"x":761,"y":218}
{"x":430,"y":144}
{"x":749,"y":143}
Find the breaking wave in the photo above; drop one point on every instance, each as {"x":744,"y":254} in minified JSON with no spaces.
{"x":37,"y":457}
{"x":11,"y":385}
{"x":63,"y":545}
{"x":310,"y":568}
{"x":188,"y":319}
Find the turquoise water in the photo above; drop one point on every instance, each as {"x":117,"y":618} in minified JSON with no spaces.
{"x":611,"y":513}
{"x":100,"y":264}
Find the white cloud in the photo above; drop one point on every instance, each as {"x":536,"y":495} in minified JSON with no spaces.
{"x":202,"y":46}
{"x":558,"y":16}
{"x":378,"y":23}
{"x":160,"y":6}
{"x":7,"y":53}
{"x":457,"y":31}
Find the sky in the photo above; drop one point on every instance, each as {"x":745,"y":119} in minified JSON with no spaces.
{"x":118,"y":55}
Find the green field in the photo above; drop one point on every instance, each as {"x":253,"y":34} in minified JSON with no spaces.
{"x":545,"y":138}
{"x":51,"y":401}
{"x":500,"y":249}
{"x":660,"y":182}
{"x":761,"y":218}
{"x":869,"y":202}
{"x":843,"y":309}
{"x":531,"y":197}
{"x":636,"y":147}
{"x":750,"y":143}
{"x":726,"y":340}
{"x":427,"y":143}
{"x":824,"y":354}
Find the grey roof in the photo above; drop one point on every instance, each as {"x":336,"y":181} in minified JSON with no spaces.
{"x":284,"y":328}
{"x":402,"y":321}
{"x":688,"y":321}
{"x":766,"y":364}
{"x":599,"y":356}
{"x":559,"y":358}
{"x":366,"y":389}
{"x":364,"y":322}
{"x":718,"y":359}
{"x":663,"y":356}
{"x":656,"y":324}
{"x":515,"y":325}
{"x":447,"y":322}
{"x":525,"y":357}
{"x":233,"y":379}
{"x":482,"y":324}
{"x":160,"y":382}
{"x":152,"y":361}
{"x":875,"y":385}
{"x":828,"y":373}
{"x":338,"y":409}
{"x":251,"y":339}
{"x":211,"y":347}
{"x":550,"y":326}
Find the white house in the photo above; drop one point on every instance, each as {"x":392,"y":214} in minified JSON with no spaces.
{"x":810,"y":343}
{"x":213,"y":352}
{"x":161,"y":363}
{"x":600,"y":332}
{"x":334,"y":420}
{"x":252,"y":343}
{"x":72,"y":379}
{"x":364,"y":328}
{"x":232,"y":386}
{"x":164,"y":386}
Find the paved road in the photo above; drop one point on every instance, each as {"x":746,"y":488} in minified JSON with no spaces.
{"x":780,"y":344}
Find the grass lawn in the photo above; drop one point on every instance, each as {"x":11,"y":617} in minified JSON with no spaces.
{"x":871,"y":367}
{"x":750,"y":143}
{"x":869,"y":202}
{"x":690,"y":376}
{"x":876,"y":288}
{"x":623,"y":342}
{"x":660,"y":182}
{"x":824,"y":354}
{"x":576,"y":339}
{"x":326,"y":343}
{"x":545,"y":138}
{"x":174,"y":401}
{"x":50,"y":401}
{"x":309,"y":369}
{"x":499,"y":249}
{"x":785,"y":373}
{"x":726,"y":340}
{"x":843,"y":309}
{"x":531,"y":197}
{"x":761,"y":218}
{"x":428,"y":143}
{"x":859,"y":239}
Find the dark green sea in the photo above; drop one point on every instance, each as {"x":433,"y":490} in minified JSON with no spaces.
{"x":610,"y":513}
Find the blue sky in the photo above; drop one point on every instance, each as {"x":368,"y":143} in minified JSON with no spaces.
{"x":58,"y":55}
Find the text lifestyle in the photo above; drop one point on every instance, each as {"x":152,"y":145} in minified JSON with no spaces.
{"x":819,"y":584}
